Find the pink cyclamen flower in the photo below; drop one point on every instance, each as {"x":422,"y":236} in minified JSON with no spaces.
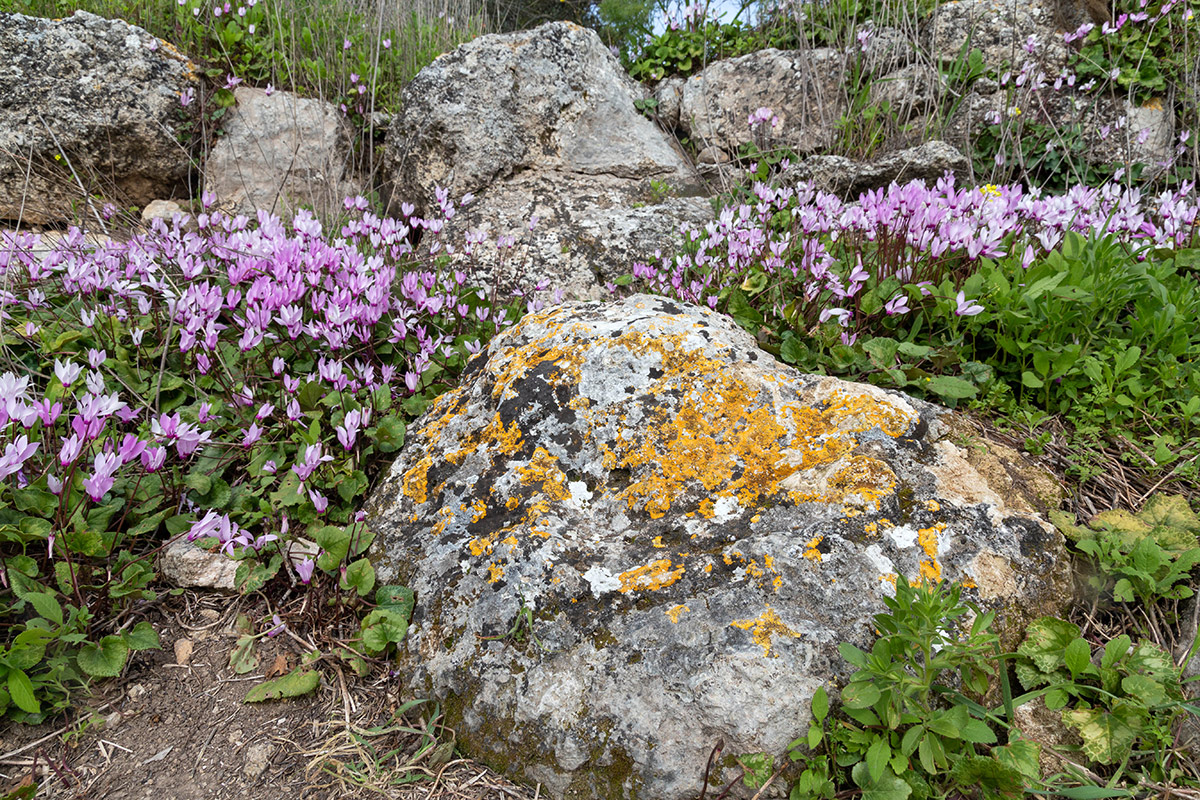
{"x":16,"y":454}
{"x":320,"y":502}
{"x":967,"y":308}
{"x":305,"y":570}
{"x":897,"y":305}
{"x":101,"y":479}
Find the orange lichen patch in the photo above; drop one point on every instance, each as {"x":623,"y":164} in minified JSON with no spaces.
{"x":480,"y":546}
{"x":543,"y":468}
{"x":445,"y":515}
{"x":478,"y":510}
{"x":495,"y":573}
{"x":856,"y":413}
{"x":763,"y":628}
{"x":927,"y":538}
{"x":933,"y":505}
{"x":967,"y":583}
{"x":512,"y":503}
{"x":869,"y":478}
{"x":414,"y":483}
{"x":442,"y":412}
{"x":579,"y":402}
{"x":810,"y":550}
{"x":649,"y":577}
{"x":509,"y":540}
{"x":675,"y":612}
{"x":754,"y":570}
{"x":708,"y":567}
{"x":657,"y":542}
{"x":499,"y":439}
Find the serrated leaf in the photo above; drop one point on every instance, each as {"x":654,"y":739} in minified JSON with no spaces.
{"x":105,"y":658}
{"x":296,"y":683}
{"x":878,"y":754}
{"x":244,"y":656}
{"x":46,"y":605}
{"x":888,"y":787}
{"x":142,"y":636}
{"x":976,"y":731}
{"x":1022,"y":755}
{"x":20,"y":691}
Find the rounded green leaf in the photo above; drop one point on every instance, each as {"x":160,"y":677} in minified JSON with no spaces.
{"x":105,"y":659}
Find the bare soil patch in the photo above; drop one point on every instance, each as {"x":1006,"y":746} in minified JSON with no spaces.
{"x":175,"y":726}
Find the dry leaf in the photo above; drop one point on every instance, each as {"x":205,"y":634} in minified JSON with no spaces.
{"x":280,"y":667}
{"x":183,"y":651}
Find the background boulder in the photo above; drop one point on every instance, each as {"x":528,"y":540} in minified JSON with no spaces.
{"x":280,"y":151}
{"x":549,"y":99}
{"x":89,"y":100}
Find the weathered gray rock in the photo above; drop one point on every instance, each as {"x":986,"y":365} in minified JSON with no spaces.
{"x":668,"y":94}
{"x":553,"y":98}
{"x":805,"y":89}
{"x":910,"y":91}
{"x":183,"y":564}
{"x":888,"y":50}
{"x":632,"y":534}
{"x":589,"y":230}
{"x":1000,"y":31}
{"x":95,"y":96}
{"x":281,"y":151}
{"x":848,"y":179}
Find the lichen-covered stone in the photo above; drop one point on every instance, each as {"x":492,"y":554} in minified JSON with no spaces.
{"x":91,"y":100}
{"x":632,"y":534}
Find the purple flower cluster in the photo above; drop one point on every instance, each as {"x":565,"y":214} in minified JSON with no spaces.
{"x":231,"y":305}
{"x":829,"y":251}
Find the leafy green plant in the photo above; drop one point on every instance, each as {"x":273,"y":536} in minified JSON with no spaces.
{"x":684,"y":51}
{"x":908,"y":731}
{"x":1125,"y":700}
{"x":1143,"y":557}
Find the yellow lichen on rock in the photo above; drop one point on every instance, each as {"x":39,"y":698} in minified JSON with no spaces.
{"x":765,"y":626}
{"x":649,"y":577}
{"x":414,"y":483}
{"x":675,"y":612}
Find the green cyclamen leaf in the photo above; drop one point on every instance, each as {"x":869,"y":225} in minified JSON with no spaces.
{"x":244,"y":658}
{"x":1108,"y":735}
{"x":142,"y":637}
{"x":296,"y":683}
{"x":1046,"y":640}
{"x":105,"y":659}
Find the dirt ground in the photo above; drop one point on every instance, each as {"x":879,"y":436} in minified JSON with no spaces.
{"x":175,"y":726}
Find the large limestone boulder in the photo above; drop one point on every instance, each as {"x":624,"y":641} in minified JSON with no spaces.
{"x":90,"y":99}
{"x":848,"y":178}
{"x":280,"y":151}
{"x":587,"y":231}
{"x":632,"y":535}
{"x":549,"y":99}
{"x":804,"y":88}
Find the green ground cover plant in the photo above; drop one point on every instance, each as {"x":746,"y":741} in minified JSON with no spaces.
{"x":241,"y":384}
